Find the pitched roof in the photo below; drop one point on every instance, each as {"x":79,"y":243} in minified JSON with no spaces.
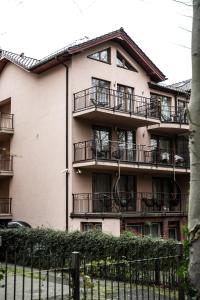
{"x":169,"y":89}
{"x":185,"y":85}
{"x":119,"y":36}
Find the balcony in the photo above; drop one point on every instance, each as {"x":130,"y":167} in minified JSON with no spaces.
{"x":111,"y":154}
{"x":124,"y":203}
{"x":5,"y":207}
{"x":6,"y":166}
{"x":6,"y":124}
{"x":172,"y":120}
{"x":111,"y":106}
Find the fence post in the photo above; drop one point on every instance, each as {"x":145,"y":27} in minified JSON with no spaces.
{"x":181,"y":293}
{"x":76,"y":275}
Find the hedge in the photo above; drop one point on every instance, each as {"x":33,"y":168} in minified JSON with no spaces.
{"x":92,"y":245}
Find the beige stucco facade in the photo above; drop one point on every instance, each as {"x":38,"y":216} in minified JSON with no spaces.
{"x":44,"y":125}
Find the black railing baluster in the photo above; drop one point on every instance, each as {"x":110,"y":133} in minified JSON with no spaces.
{"x":23,"y":276}
{"x":55,"y":279}
{"x":39,"y":275}
{"x":6,"y":274}
{"x":15,"y":275}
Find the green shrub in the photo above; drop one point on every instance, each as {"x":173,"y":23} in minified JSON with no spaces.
{"x":92,"y":245}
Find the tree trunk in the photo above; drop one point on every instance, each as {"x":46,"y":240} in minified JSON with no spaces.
{"x":194,"y":117}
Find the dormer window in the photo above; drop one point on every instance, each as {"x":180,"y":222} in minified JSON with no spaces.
{"x":123,"y":63}
{"x":103,"y":56}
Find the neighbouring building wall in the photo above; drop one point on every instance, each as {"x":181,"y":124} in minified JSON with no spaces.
{"x":38,"y":102}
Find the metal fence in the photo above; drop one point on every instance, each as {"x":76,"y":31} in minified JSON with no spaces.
{"x":34,"y":274}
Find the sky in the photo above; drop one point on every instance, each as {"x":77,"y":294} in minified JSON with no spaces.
{"x":161,"y":28}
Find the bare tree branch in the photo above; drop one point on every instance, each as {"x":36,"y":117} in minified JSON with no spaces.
{"x":185,"y":29}
{"x":183,"y":46}
{"x":182,"y":2}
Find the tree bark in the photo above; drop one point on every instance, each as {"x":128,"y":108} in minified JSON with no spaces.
{"x":194,"y":117}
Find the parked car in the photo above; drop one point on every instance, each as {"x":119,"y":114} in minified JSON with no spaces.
{"x":18,"y":224}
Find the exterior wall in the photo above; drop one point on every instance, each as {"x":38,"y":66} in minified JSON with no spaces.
{"x":110,"y":226}
{"x":84,"y":69}
{"x":38,"y":144}
{"x":38,"y":102}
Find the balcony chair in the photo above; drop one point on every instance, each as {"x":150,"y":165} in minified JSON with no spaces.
{"x":117,"y":107}
{"x":152,"y":202}
{"x":98,"y":103}
{"x":164,"y":118}
{"x":100,"y":153}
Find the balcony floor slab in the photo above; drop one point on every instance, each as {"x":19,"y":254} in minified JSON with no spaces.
{"x":115,"y":117}
{"x":129,"y":167}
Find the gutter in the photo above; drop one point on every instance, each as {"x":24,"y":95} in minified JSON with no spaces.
{"x":66,"y":147}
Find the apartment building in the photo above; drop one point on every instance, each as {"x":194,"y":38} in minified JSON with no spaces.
{"x":89,"y":138}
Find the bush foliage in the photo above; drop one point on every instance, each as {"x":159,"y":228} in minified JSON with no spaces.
{"x":91,"y":245}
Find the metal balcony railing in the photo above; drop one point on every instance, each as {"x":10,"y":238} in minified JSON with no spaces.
{"x":6,"y":121}
{"x":6,"y":163}
{"x":5,"y":206}
{"x":173,"y":114}
{"x":129,"y":153}
{"x":105,"y":98}
{"x":126,"y":202}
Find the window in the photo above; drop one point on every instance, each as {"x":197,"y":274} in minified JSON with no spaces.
{"x":173,"y":233}
{"x":123,"y":63}
{"x":103,"y":56}
{"x":101,"y":92}
{"x":153,"y":229}
{"x":91,"y":226}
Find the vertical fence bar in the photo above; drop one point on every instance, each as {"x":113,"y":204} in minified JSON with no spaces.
{"x":76,"y":275}
{"x":6,"y":274}
{"x":181,"y":294}
{"x":15,"y":274}
{"x":23,"y":276}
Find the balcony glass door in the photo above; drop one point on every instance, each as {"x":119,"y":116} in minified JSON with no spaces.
{"x":127,"y":192}
{"x":182,"y":151}
{"x":124,"y":97}
{"x":101,"y":92}
{"x":181,"y":112}
{"x":161,"y":150}
{"x":101,"y":147}
{"x":126,"y":144}
{"x":101,"y":187}
{"x":162,"y":188}
{"x":166,"y":109}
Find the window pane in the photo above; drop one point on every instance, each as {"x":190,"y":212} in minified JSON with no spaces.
{"x":104,"y":55}
{"x":95,"y":56}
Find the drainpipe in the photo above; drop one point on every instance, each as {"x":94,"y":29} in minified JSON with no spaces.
{"x":66,"y":116}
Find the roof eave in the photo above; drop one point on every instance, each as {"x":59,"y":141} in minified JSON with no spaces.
{"x":119,"y":36}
